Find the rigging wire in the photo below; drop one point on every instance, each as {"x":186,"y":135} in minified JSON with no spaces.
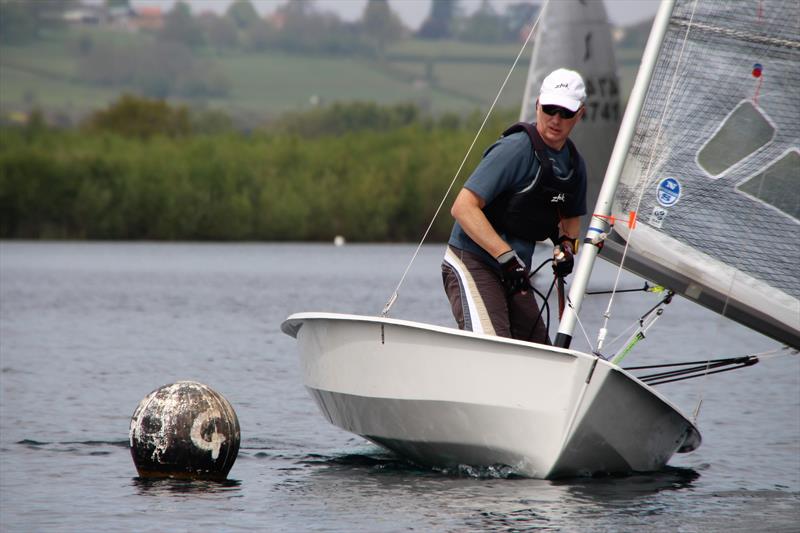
{"x":592,"y":347}
{"x":646,"y":288}
{"x":396,"y":292}
{"x":640,"y":321}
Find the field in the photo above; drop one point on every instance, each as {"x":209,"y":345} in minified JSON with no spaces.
{"x":438,"y":76}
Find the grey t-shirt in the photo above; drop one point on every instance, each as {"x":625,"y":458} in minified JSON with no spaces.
{"x":510,"y":164}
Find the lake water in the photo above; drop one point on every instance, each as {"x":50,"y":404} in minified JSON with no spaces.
{"x":89,"y":329}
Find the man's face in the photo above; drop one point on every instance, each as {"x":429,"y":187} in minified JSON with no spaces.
{"x":554,"y":128}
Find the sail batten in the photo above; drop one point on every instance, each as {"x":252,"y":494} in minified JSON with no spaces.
{"x":738,"y":34}
{"x":712,"y":167}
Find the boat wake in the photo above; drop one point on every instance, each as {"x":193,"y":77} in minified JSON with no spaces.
{"x":377,"y":459}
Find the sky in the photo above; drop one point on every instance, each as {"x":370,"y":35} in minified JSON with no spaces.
{"x":413,"y":12}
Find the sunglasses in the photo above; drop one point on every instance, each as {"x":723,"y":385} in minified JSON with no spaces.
{"x":555,"y":109}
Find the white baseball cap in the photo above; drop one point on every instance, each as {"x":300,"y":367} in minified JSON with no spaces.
{"x":563,"y":88}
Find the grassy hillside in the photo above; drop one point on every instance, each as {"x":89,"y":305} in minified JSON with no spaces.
{"x":438,"y":76}
{"x":45,"y":74}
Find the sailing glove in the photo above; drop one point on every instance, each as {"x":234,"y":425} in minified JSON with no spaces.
{"x":514,"y":273}
{"x":563,"y":257}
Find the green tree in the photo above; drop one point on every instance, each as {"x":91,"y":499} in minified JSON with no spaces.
{"x":519,"y":18}
{"x":180,"y":26}
{"x":484,"y":26}
{"x":341,"y":118}
{"x":242,"y":13}
{"x":380,"y":24}
{"x":260,"y":36}
{"x":218,"y":32}
{"x":132,"y":116}
{"x":303,"y":29}
{"x":440,"y":21}
{"x":298,"y":8}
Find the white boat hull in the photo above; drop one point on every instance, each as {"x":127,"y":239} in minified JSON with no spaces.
{"x":445,"y":397}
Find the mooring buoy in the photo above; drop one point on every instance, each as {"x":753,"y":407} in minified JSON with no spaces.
{"x":184,"y":430}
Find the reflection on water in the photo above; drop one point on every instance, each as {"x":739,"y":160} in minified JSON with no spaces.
{"x":171,"y":486}
{"x":607,"y":488}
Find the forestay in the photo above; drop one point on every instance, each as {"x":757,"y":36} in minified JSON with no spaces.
{"x":713,"y":170}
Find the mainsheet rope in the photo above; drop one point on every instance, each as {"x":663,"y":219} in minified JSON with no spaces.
{"x":693,"y":369}
{"x":396,"y":292}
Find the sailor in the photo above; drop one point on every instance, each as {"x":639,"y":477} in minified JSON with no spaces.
{"x":529,"y":186}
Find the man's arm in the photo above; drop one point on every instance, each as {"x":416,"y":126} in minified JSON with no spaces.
{"x":570,"y":227}
{"x":565,"y":248}
{"x":467,"y":210}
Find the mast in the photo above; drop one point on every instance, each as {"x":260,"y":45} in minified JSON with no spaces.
{"x":599,"y":221}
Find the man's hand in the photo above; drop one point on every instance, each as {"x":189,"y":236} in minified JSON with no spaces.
{"x":514,"y":273}
{"x":563,"y":257}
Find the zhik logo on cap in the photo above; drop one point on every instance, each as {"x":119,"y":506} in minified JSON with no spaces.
{"x":563,"y":88}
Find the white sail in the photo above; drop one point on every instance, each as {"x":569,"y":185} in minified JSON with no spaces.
{"x":713,"y":169}
{"x":575,"y":34}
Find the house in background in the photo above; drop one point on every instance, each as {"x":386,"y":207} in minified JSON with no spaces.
{"x":86,"y":15}
{"x":133,"y":19}
{"x":147,"y":18}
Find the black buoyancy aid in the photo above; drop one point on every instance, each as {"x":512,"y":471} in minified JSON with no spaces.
{"x":534,"y":212}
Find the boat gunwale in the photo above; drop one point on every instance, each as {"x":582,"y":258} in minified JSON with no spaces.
{"x":290,"y":327}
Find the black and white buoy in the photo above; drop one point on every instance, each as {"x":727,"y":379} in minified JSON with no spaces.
{"x":184,"y":430}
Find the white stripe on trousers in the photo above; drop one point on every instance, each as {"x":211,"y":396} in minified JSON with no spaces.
{"x":475,"y":310}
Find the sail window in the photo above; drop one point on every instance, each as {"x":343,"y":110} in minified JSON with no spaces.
{"x":777,"y":185}
{"x":744,"y":131}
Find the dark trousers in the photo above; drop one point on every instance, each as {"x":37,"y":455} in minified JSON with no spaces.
{"x":479,"y":302}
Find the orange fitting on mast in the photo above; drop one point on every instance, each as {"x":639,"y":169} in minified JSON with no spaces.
{"x":609,"y":218}
{"x":612,"y":219}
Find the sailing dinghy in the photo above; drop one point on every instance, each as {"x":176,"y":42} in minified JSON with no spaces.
{"x":421,"y":390}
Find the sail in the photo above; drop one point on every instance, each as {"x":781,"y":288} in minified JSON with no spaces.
{"x":713,"y":169}
{"x":575,"y":34}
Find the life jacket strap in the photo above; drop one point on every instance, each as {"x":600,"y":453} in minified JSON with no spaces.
{"x":540,"y":148}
